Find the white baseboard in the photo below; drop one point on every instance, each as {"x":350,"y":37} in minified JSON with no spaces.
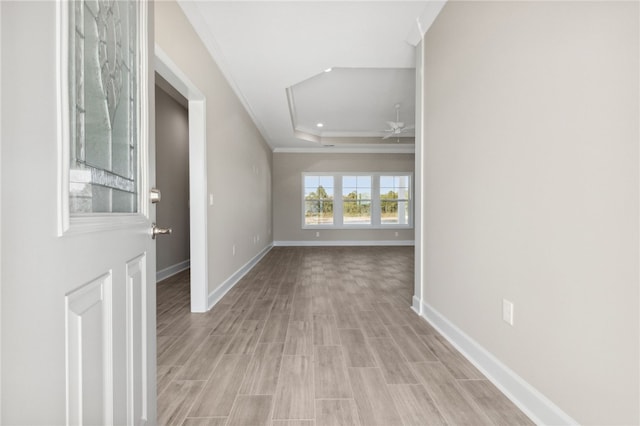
{"x":533,"y":403}
{"x":218,"y":293}
{"x":313,"y":243}
{"x":165,"y":273}
{"x":416,"y":305}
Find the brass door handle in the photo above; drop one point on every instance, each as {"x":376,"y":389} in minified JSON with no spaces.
{"x":155,"y":230}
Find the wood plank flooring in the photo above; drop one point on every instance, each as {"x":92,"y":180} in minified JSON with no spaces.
{"x":316,"y":336}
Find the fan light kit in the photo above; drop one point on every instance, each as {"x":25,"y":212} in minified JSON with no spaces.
{"x":319,"y":125}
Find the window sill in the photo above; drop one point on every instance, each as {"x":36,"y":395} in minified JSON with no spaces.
{"x":360,"y":227}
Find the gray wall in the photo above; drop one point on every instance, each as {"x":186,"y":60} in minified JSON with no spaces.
{"x":531,"y":193}
{"x":287,"y":192}
{"x":172,"y":178}
{"x":238,"y":159}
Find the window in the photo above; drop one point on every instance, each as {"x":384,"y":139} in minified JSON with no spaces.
{"x":318,"y":200}
{"x":394,"y":200}
{"x":364,"y":200}
{"x":356,"y":200}
{"x":104,"y":106}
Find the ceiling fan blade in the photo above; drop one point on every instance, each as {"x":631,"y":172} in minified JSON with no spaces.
{"x":409,"y":127}
{"x":396,"y":128}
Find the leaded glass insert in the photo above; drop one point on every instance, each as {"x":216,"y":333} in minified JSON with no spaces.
{"x":104,"y":104}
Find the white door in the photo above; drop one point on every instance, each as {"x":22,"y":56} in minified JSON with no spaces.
{"x":78,"y":260}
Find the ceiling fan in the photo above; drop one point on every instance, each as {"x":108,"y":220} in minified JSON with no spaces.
{"x":397,"y":128}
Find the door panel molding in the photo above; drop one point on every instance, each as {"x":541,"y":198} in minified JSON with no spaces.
{"x":136,"y":323}
{"x":89,"y":349}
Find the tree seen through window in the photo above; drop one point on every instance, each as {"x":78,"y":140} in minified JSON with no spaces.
{"x":356,"y":200}
{"x":318,"y":200}
{"x":340,"y":200}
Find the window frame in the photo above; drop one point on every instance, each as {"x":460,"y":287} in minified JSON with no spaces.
{"x":338,"y":217}
{"x":371,"y":197}
{"x":398,"y":199}
{"x":304,"y":200}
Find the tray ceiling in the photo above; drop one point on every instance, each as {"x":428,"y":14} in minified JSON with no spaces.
{"x":275,"y":55}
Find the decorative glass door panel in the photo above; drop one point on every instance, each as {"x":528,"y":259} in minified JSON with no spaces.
{"x":104,"y":105}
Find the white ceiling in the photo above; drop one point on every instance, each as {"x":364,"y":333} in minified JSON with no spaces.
{"x":265,"y":48}
{"x":352,"y":102}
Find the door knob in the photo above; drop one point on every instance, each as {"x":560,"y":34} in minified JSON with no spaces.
{"x":155,"y":230}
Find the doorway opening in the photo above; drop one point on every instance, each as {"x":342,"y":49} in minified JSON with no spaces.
{"x":172,"y":179}
{"x":197,"y":156}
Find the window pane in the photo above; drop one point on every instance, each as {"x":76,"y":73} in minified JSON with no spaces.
{"x":388,"y":194}
{"x":349,"y":193}
{"x":326,"y":181}
{"x":325,"y":193}
{"x":403,"y":187}
{"x":386,"y":182}
{"x":394,"y":196}
{"x":364,"y":181}
{"x":103,"y":54}
{"x":357,"y":212}
{"x":318,"y":192}
{"x":394,"y":212}
{"x":403,"y":193}
{"x":389,"y":211}
{"x":325,"y":216}
{"x":310,"y":192}
{"x":318,"y":213}
{"x":356,"y":188}
{"x":311,"y":213}
{"x":356,"y":196}
{"x":396,"y":185}
{"x":318,"y":187}
{"x":349,"y":181}
{"x":403,"y":212}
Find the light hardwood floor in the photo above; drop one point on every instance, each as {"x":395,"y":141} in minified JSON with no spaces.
{"x":316,"y":336}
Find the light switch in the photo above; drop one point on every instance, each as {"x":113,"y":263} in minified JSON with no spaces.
{"x":507,"y":311}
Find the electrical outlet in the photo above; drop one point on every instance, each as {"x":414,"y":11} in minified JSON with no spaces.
{"x":317,"y":233}
{"x":396,"y":233}
{"x":210,"y":199}
{"x":233,"y":250}
{"x":507,"y":311}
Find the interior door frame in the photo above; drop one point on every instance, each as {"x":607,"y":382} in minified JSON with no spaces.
{"x":1,"y":211}
{"x":197,"y":177}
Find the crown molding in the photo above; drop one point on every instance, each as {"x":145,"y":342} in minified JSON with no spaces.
{"x":424,"y":21}
{"x":383,"y":149}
